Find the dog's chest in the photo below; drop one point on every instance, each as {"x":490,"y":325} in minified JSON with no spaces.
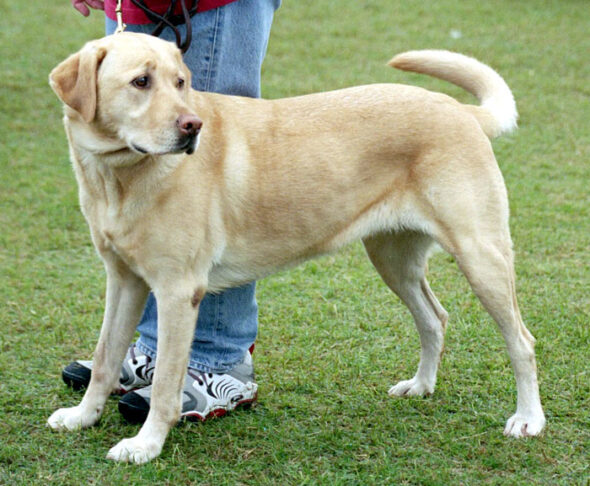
{"x":123,"y":244}
{"x":116,"y":244}
{"x":116,"y":226}
{"x":113,"y":233}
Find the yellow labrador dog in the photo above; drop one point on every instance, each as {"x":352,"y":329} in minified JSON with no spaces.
{"x":188,"y":192}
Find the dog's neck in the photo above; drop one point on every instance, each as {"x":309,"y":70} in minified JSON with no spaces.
{"x":107,"y":169}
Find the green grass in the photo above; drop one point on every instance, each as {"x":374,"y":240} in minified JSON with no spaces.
{"x":332,"y":338}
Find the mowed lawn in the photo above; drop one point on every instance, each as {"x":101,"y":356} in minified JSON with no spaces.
{"x":332,"y":338}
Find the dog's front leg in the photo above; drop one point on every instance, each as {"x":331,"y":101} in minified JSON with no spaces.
{"x":125,"y":298}
{"x":177,"y":315}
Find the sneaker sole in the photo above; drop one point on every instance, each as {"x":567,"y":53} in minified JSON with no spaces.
{"x":245,"y":404}
{"x":76,"y":376}
{"x":135,"y":413}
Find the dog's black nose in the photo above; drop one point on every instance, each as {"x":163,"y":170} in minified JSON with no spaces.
{"x":189,"y":124}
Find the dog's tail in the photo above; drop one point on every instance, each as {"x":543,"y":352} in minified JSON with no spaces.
{"x":497,"y":112}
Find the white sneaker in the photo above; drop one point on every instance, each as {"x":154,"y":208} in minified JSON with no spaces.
{"x":205,"y":395}
{"x":136,"y":372}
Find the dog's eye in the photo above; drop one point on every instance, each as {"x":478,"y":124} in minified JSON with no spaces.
{"x":180,"y":83}
{"x":142,"y":82}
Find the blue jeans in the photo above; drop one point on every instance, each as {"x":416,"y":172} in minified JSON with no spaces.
{"x":225,"y":56}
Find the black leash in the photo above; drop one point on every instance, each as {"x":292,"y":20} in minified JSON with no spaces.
{"x":169,"y":19}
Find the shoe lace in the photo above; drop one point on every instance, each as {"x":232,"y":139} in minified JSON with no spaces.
{"x":134,"y":357}
{"x":199,"y":376}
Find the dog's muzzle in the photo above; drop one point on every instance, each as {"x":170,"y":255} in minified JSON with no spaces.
{"x":189,"y":127}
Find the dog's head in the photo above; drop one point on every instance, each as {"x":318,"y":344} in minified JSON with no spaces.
{"x":130,"y":91}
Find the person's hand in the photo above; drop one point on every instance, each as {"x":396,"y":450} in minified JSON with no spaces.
{"x":82,"y":6}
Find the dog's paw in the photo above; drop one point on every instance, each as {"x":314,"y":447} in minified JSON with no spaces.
{"x":524,"y":426}
{"x":135,"y":450}
{"x":73,"y":418}
{"x":413,"y":387}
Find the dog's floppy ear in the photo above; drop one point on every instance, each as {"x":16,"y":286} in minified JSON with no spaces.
{"x":74,"y":80}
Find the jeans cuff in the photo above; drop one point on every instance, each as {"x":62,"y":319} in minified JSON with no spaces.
{"x":203,"y":368}
{"x":145,"y":349}
{"x":193,"y":364}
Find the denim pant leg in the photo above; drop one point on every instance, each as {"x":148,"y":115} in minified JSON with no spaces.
{"x":225,"y":56}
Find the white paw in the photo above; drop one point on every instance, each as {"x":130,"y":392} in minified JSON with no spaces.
{"x":134,"y":450}
{"x":524,"y":426}
{"x":73,"y":418}
{"x":413,"y":387}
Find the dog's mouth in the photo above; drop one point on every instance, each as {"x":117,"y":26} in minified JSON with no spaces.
{"x":185,"y":145}
{"x":188,"y":144}
{"x":139,"y":149}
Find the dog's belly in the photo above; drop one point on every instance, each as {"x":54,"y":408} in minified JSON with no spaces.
{"x":253,"y":259}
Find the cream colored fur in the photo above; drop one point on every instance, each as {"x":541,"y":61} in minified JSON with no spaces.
{"x":273,"y":183}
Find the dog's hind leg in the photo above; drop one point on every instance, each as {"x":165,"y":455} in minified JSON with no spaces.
{"x":486,"y":259}
{"x":401,"y":259}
